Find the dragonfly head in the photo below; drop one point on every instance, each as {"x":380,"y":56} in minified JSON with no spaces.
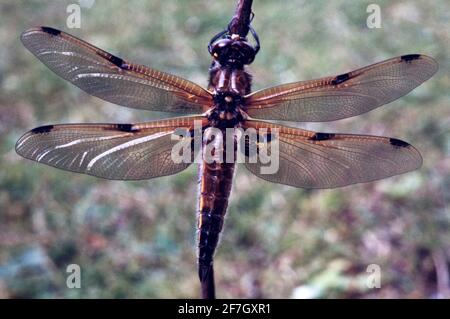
{"x":233,"y":51}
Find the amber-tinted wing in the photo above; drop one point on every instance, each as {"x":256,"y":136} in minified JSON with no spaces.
{"x":111,"y":78}
{"x":342,"y":96}
{"x":326,"y":160}
{"x":113,"y":151}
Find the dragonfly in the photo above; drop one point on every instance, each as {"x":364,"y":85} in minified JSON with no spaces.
{"x":136,"y":151}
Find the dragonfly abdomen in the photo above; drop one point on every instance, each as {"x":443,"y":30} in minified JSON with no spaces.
{"x":215,"y":188}
{"x":215,"y":183}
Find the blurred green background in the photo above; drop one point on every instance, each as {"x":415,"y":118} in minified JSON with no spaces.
{"x":137,"y":239}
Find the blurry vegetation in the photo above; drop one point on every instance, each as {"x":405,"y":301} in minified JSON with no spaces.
{"x":137,"y":239}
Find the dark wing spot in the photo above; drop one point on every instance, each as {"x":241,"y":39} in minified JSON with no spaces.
{"x":322,"y":136}
{"x":116,"y":61}
{"x":410,"y":57}
{"x":398,"y":143}
{"x":250,"y":147}
{"x":42,"y":129}
{"x":51,"y":31}
{"x":195,"y":140}
{"x":340,"y":79}
{"x":267,"y":138}
{"x":126,"y":128}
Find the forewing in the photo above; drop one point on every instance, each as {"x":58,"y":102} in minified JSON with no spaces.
{"x":342,"y":96}
{"x":111,"y":78}
{"x":326,"y":160}
{"x":112,"y":151}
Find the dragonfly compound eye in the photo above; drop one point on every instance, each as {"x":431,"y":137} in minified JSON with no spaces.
{"x":221,"y":48}
{"x":245,"y":50}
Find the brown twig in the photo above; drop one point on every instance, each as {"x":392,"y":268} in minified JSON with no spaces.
{"x":241,"y":20}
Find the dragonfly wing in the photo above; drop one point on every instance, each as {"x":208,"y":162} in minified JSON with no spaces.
{"x":111,"y":78}
{"x":112,"y":151}
{"x":346,"y":95}
{"x":326,"y":160}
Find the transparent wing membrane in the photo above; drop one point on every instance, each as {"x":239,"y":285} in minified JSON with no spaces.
{"x":112,"y":151}
{"x":326,"y":160}
{"x":111,"y":78}
{"x":346,"y":95}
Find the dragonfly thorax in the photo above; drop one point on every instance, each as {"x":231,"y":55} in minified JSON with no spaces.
{"x":226,"y":111}
{"x":227,"y":100}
